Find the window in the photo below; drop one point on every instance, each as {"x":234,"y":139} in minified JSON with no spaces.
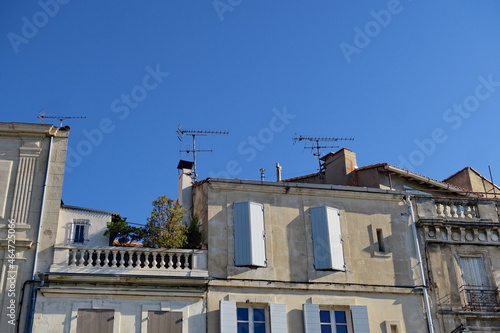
{"x":327,"y":238}
{"x":252,"y":319}
{"x":380,"y":241}
{"x":333,"y":321}
{"x":95,"y":321}
{"x":355,"y":319}
{"x":164,"y":321}
{"x":79,"y":233}
{"x":249,"y":235}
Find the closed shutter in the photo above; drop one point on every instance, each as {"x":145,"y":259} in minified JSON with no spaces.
{"x":474,"y":271}
{"x":164,"y":321}
{"x":311,"y":318}
{"x":227,"y":317}
{"x":360,"y":319}
{"x":278,"y":318}
{"x":249,"y":235}
{"x":327,"y":238}
{"x":95,"y":321}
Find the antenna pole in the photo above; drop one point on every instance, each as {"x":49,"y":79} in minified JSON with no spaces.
{"x":194,"y":133}
{"x":42,"y":117}
{"x":492,"y":183}
{"x":316,"y":146}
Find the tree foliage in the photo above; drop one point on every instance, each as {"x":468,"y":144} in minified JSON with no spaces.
{"x":123,"y":232}
{"x":164,"y":227}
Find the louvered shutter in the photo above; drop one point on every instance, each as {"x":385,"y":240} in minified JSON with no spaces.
{"x":311,"y":318}
{"x":327,"y":238}
{"x":360,"y":319}
{"x":249,"y":235}
{"x":278,"y":318}
{"x":227,"y":317}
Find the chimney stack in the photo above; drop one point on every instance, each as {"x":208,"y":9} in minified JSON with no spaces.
{"x":339,"y":167}
{"x":278,"y":172}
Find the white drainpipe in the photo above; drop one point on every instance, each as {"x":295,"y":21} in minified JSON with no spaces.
{"x":430,"y":323}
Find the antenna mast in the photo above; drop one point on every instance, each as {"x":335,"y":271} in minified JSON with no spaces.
{"x":42,"y":117}
{"x":316,"y":146}
{"x":194,"y":134}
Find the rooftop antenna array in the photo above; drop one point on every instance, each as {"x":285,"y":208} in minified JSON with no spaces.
{"x":317,"y":146}
{"x":194,"y":133}
{"x":42,"y":117}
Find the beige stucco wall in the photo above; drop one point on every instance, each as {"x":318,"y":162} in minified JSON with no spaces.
{"x":98,"y":225}
{"x":371,"y":278}
{"x":57,"y":315}
{"x":24,"y":152}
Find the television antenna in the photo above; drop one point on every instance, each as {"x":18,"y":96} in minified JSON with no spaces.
{"x":315,"y":141}
{"x":194,"y":133}
{"x":42,"y":117}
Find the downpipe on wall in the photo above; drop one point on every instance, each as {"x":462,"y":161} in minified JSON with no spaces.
{"x":430,"y":323}
{"x":34,"y":290}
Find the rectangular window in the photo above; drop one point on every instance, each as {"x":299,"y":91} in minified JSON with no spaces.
{"x":95,"y":321}
{"x":164,"y":321}
{"x":333,"y":321}
{"x":251,"y":320}
{"x":249,"y":234}
{"x":271,"y":318}
{"x":354,"y":319}
{"x":380,"y":240}
{"x":327,"y":238}
{"x":79,"y":234}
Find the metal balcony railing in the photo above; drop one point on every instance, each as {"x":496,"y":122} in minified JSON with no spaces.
{"x":480,"y":298}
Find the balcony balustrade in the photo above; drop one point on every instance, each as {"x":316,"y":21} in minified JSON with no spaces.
{"x":130,"y":261}
{"x":479,"y":298}
{"x":456,"y":210}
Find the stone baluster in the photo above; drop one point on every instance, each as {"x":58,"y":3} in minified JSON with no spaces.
{"x":154,"y":262}
{"x":122,"y":258}
{"x":453,"y":210}
{"x":130,"y":262}
{"x":106,"y":257}
{"x":186,"y":260}
{"x":460,"y":210}
{"x":170,"y":261}
{"x":447,"y":210}
{"x":113,"y":257}
{"x":439,"y":209}
{"x":162,"y":260}
{"x":98,"y":258}
{"x":146,"y":259}
{"x":72,"y":262}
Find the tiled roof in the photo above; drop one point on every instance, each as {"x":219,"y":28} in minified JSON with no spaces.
{"x":301,"y":177}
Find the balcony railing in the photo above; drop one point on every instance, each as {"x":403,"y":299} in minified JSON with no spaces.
{"x":457,"y":210}
{"x":130,"y":261}
{"x":480,"y":298}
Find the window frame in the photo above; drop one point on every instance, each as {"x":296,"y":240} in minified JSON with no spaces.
{"x":84,"y":226}
{"x":251,"y":319}
{"x":333,"y":324}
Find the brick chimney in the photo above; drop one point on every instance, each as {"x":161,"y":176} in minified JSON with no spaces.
{"x":338,"y":167}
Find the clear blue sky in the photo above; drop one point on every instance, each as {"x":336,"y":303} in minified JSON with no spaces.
{"x":416,"y":83}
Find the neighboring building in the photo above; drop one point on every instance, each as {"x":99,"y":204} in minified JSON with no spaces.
{"x":32,"y":163}
{"x":339,"y":250}
{"x":94,"y":287}
{"x":292,"y":257}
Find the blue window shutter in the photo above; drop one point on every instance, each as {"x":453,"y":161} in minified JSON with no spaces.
{"x":249,"y":242}
{"x":227,"y":311}
{"x":278,"y":318}
{"x":311,"y":318}
{"x":360,"y":319}
{"x":327,"y":238}
{"x":242,"y":248}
